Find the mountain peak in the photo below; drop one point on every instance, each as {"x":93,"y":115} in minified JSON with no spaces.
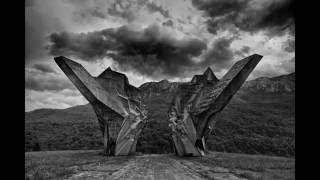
{"x":210,"y":75}
{"x":208,"y":71}
{"x":110,"y":73}
{"x":117,"y":77}
{"x":164,"y":81}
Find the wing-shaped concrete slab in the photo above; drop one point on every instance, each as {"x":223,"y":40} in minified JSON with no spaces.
{"x":199,"y":109}
{"x":117,"y":104}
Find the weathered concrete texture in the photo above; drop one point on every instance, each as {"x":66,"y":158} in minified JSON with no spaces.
{"x":193,"y":110}
{"x":117,"y":104}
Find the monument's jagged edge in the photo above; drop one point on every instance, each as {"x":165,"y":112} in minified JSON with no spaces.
{"x":88,"y":86}
{"x":117,"y":104}
{"x":192,"y":114}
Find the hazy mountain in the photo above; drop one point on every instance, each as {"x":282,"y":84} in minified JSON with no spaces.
{"x":258,"y":119}
{"x":279,"y":84}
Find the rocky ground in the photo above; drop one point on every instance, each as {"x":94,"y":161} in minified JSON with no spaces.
{"x":92,"y":165}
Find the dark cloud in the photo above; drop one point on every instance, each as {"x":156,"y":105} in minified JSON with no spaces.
{"x":218,"y":8}
{"x":44,"y":68}
{"x":168,"y":23}
{"x":37,"y":27}
{"x":88,"y":10}
{"x":273,"y":16}
{"x":279,"y":14}
{"x":125,"y":9}
{"x":87,"y":46}
{"x":243,"y":51}
{"x":152,"y":7}
{"x":219,"y":55}
{"x":221,"y":13}
{"x":148,"y":52}
{"x":289,"y":45}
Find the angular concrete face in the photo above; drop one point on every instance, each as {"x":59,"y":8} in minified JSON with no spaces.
{"x":193,"y":110}
{"x":117,"y":104}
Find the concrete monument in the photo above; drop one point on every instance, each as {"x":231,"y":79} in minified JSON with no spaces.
{"x":197,"y":103}
{"x":117,"y":104}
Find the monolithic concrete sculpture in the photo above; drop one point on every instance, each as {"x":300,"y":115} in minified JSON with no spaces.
{"x":117,"y":104}
{"x":193,"y":110}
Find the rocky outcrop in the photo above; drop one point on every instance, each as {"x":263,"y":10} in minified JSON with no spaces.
{"x":150,"y":89}
{"x":279,"y":84}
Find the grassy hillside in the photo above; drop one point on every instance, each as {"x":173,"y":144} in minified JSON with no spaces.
{"x":251,"y":123}
{"x":254,"y":122}
{"x":257,"y":124}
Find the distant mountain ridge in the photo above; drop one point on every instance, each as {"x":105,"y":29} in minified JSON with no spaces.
{"x":279,"y":84}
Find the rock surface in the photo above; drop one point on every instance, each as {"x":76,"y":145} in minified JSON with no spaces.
{"x":278,"y":84}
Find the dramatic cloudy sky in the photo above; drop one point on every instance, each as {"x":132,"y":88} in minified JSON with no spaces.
{"x":150,"y":40}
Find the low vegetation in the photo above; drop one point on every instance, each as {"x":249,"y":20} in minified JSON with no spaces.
{"x":89,"y":164}
{"x":253,"y":123}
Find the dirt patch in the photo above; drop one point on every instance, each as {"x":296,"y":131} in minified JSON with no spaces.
{"x":218,"y":166}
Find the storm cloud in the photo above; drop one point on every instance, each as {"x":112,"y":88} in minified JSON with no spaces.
{"x":150,"y":51}
{"x":152,"y":7}
{"x":189,"y":37}
{"x":39,"y":23}
{"x":243,"y":51}
{"x":125,"y":9}
{"x":248,"y":15}
{"x":219,"y":55}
